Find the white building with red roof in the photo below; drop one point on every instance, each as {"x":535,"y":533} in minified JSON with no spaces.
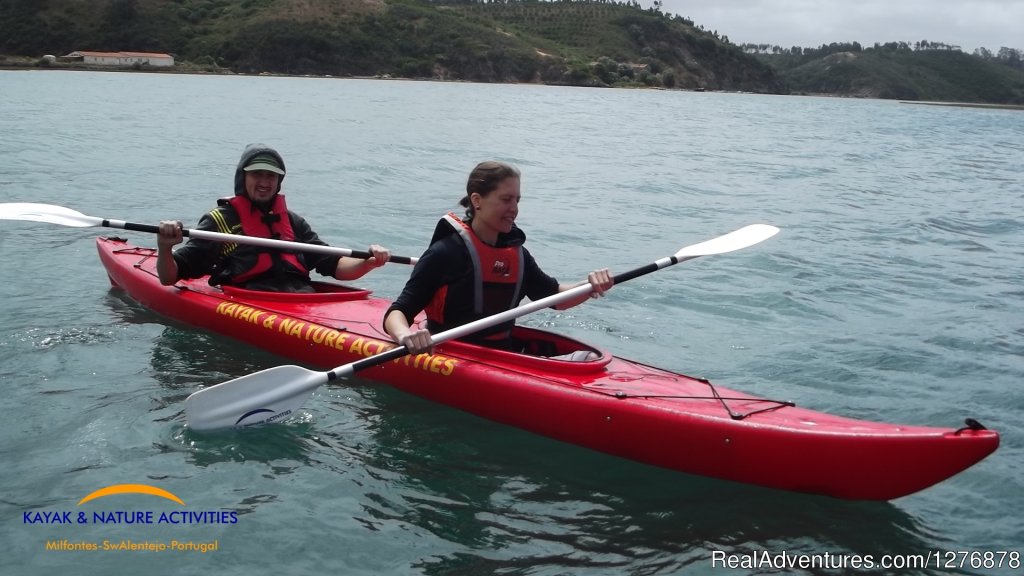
{"x":122,"y":58}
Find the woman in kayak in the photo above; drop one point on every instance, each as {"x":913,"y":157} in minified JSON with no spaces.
{"x":257,"y":209}
{"x":476,"y":267}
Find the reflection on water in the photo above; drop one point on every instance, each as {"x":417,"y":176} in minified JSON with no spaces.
{"x":503,"y":495}
{"x":185,"y":360}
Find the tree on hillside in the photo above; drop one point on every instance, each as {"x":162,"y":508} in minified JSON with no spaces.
{"x":1010,"y":57}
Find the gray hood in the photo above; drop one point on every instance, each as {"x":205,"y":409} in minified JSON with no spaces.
{"x":250,"y":151}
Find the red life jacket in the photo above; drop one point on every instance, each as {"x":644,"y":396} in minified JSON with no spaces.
{"x":274,"y":224}
{"x":497,"y":277}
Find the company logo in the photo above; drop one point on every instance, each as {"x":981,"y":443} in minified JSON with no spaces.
{"x":131,"y":489}
{"x":500,"y":267}
{"x":240,"y":423}
{"x":133,"y":517}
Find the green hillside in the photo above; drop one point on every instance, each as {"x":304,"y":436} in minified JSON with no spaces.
{"x":895,"y":70}
{"x":629,"y":44}
{"x":582,"y":43}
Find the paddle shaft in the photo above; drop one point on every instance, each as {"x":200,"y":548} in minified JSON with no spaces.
{"x":53,"y":214}
{"x":265,"y":242}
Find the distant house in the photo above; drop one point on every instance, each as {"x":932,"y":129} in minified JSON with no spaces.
{"x":121,"y":58}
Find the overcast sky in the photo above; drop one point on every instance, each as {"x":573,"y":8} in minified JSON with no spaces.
{"x":969,"y":24}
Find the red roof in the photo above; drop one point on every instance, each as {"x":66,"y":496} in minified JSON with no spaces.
{"x":95,"y":54}
{"x":145,"y":54}
{"x":119,"y":54}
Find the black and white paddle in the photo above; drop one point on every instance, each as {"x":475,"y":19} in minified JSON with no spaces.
{"x":62,"y":216}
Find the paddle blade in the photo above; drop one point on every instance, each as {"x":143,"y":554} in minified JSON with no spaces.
{"x":260,"y":398}
{"x":48,"y":213}
{"x":735,"y":240}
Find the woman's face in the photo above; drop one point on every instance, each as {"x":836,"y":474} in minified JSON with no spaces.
{"x":498,"y":210}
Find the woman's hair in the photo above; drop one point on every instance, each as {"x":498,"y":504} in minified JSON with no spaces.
{"x":484,"y":179}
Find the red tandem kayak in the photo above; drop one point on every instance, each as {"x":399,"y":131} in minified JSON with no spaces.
{"x":609,"y":404}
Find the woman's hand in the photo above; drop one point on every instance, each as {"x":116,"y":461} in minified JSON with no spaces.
{"x":601,"y":281}
{"x":417,"y":341}
{"x":380,"y":256}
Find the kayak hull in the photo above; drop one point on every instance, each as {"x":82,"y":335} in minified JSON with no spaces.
{"x":609,"y":404}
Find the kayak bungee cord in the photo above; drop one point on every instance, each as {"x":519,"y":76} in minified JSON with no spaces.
{"x":722,"y":400}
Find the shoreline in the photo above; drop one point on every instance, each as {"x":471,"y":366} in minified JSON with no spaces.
{"x":967,"y":105}
{"x":32,"y":64}
{"x":26,"y":63}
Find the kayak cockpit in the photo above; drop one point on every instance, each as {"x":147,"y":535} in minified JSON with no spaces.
{"x":325,"y":292}
{"x":544,"y":351}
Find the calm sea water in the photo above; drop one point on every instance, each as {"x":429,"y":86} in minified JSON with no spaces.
{"x":895,"y":293}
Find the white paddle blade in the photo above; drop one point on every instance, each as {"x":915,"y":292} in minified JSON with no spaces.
{"x":260,"y":398}
{"x":736,"y":240}
{"x":48,"y":213}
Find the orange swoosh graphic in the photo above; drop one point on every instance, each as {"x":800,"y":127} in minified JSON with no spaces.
{"x":131,"y":489}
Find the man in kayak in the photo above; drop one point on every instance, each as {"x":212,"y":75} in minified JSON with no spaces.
{"x":257,"y":209}
{"x":477,"y":267}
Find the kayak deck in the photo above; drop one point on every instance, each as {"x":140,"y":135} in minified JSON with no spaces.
{"x":609,"y":404}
